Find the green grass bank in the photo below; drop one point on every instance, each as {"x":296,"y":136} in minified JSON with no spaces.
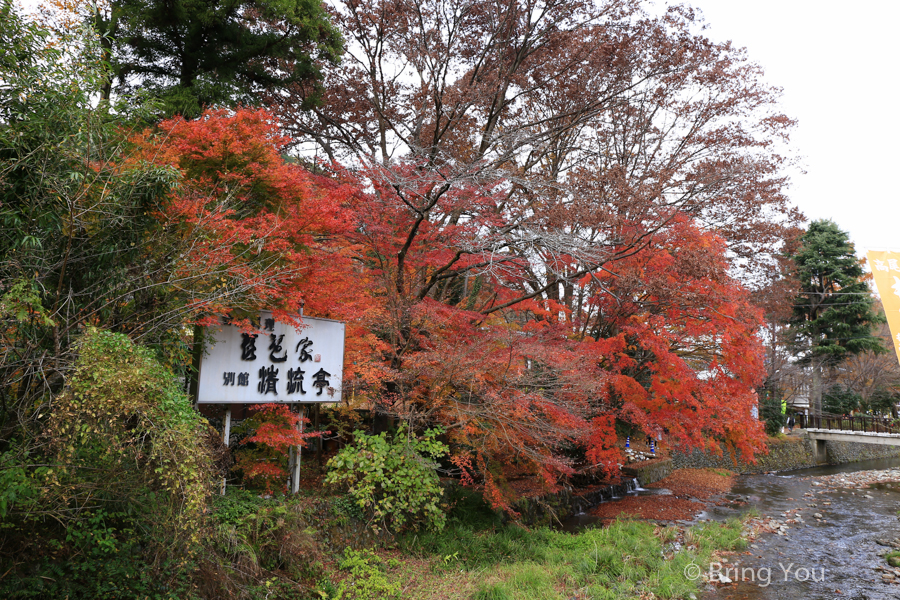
{"x":308,"y":547}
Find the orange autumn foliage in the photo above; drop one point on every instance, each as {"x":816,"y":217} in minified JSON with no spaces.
{"x":665,"y":343}
{"x":525,"y":385}
{"x":275,"y":429}
{"x":253,"y":230}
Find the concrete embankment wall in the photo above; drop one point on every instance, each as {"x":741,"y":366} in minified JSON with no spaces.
{"x":649,"y":471}
{"x":795,"y":452}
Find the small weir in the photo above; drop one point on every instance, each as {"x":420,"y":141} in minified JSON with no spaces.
{"x":615,"y":492}
{"x":604,"y":494}
{"x":582,"y":504}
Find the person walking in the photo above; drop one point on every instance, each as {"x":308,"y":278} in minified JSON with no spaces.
{"x":790,"y":424}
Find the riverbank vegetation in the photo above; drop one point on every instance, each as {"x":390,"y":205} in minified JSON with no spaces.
{"x":477,"y":555}
{"x":627,"y":559}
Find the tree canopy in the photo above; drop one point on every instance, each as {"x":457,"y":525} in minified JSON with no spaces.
{"x":834,"y":313}
{"x":191,"y":54}
{"x":557,"y":198}
{"x":533,"y":217}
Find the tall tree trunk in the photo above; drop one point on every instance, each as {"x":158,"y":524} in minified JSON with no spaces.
{"x":816,"y":389}
{"x":107,"y":30}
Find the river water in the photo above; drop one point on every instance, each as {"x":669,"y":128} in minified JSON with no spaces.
{"x":835,"y":557}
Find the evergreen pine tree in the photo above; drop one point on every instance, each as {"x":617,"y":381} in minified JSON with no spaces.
{"x":193,"y":54}
{"x":834,"y":313}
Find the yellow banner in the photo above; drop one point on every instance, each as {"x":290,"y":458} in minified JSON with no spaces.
{"x":885,"y":265}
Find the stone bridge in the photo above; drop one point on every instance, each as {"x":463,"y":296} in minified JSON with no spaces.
{"x":818,"y":437}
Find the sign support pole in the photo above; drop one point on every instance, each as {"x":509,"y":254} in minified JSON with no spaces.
{"x":295,"y":476}
{"x":295,"y":452}
{"x":226,"y":434}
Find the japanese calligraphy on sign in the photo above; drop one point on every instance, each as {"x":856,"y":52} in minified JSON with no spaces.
{"x":275,"y":363}
{"x":886,"y":272}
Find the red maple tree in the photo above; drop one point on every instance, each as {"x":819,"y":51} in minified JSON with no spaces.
{"x":274,"y":430}
{"x":527,"y":236}
{"x":247,"y":229}
{"x":547,"y":197}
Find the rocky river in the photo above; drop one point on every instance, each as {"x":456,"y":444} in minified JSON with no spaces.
{"x":822,"y":533}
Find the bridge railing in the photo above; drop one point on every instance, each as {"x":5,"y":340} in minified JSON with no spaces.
{"x":863,"y":423}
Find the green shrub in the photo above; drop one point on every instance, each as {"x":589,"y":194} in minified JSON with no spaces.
{"x":345,"y":508}
{"x":125,"y":431}
{"x":366,"y":580}
{"x":392,"y":481}
{"x":840,"y":400}
{"x":893,"y":558}
{"x":262,"y":536}
{"x":18,"y":486}
{"x":117,"y":509}
{"x":770,"y":411}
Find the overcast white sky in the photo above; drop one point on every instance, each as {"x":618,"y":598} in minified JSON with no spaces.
{"x":838,"y":65}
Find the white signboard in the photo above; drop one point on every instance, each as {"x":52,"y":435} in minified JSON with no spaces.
{"x":275,"y":363}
